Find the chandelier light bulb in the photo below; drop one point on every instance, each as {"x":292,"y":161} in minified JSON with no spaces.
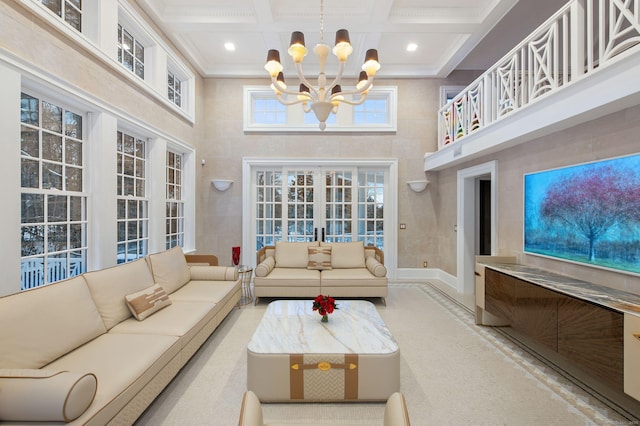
{"x":371,"y":64}
{"x":273,"y":65}
{"x":343,"y":48}
{"x":297,"y":49}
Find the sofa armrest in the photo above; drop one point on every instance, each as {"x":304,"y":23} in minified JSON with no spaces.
{"x":375,"y":267}
{"x":201,"y":259}
{"x":262,"y":254}
{"x":251,"y":410}
{"x":265,"y":267}
{"x":43,"y":395}
{"x":213,"y":273}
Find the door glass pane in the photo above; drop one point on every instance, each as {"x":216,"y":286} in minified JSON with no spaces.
{"x":338,"y":206}
{"x":334,"y":210}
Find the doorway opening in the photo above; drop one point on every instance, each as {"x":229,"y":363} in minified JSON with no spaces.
{"x":476,"y":226}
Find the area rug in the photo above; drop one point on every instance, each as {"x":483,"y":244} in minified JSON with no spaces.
{"x":452,"y":373}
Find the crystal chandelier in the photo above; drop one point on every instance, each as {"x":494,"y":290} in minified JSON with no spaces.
{"x":323,"y":98}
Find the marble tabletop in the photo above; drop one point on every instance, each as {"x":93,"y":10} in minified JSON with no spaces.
{"x":292,"y":327}
{"x":616,"y":300}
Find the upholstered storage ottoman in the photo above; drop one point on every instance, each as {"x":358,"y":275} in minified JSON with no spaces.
{"x":293,"y":356}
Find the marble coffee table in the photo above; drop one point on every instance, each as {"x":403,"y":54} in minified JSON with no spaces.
{"x":293,"y":356}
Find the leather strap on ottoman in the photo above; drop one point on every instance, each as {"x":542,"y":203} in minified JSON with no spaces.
{"x":324,"y":377}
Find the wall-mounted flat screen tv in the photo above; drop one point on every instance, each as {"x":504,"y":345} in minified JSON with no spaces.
{"x":587,"y":213}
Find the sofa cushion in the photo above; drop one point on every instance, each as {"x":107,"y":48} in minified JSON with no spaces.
{"x":319,"y":258}
{"x":347,"y":255}
{"x":354,"y":277}
{"x":148,"y":301}
{"x":43,"y":395}
{"x":123,"y":364}
{"x":291,"y":277}
{"x":169,"y":269}
{"x":207,"y":291}
{"x":375,"y":267}
{"x":40,"y":325}
{"x":266,"y":266}
{"x":293,"y":255}
{"x":180,"y":319}
{"x":110,"y":286}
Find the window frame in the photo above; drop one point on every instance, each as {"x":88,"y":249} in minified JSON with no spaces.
{"x":295,"y":115}
{"x":63,"y":13}
{"x":142,"y":203}
{"x":50,"y":193}
{"x":178,"y":201}
{"x":158,"y":54}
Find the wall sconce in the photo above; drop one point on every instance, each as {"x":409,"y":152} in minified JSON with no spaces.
{"x":221,"y":184}
{"x":418,"y":185}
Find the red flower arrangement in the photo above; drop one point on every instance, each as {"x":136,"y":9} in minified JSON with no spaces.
{"x":324,"y":305}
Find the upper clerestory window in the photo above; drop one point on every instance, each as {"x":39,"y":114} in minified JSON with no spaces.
{"x":130,"y":52}
{"x":69,"y":10}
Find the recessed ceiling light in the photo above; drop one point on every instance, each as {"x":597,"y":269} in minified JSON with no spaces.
{"x":230,"y":46}
{"x":412,"y":47}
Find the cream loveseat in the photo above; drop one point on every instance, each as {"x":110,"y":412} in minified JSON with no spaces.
{"x":73,"y":350}
{"x":306,"y":269}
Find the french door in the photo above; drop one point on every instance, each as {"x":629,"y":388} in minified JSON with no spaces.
{"x":327,"y":203}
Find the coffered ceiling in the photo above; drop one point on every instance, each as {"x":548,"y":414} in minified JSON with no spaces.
{"x":445,"y":32}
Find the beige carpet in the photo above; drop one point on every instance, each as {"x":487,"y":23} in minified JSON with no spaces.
{"x":452,"y":373}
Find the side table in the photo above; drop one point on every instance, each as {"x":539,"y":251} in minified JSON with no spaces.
{"x":246,"y":273}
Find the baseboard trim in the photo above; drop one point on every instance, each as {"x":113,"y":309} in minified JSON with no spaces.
{"x":421,"y":274}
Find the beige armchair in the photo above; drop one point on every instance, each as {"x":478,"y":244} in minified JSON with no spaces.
{"x":395,"y":412}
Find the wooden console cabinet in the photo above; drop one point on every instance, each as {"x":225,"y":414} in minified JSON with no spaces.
{"x":592,"y":327}
{"x":589,"y":335}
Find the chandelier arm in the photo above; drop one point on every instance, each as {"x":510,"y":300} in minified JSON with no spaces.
{"x":338,"y":76}
{"x":304,"y":81}
{"x":364,"y":88}
{"x":358,"y":102}
{"x":283,"y":89}
{"x":294,"y":102}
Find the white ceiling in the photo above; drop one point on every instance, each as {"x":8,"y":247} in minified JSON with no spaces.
{"x":446,"y":32}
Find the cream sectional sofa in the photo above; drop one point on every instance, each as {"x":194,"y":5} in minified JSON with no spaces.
{"x":306,"y":269}
{"x":73,"y":350}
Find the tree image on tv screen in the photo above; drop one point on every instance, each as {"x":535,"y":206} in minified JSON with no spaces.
{"x":591,"y":203}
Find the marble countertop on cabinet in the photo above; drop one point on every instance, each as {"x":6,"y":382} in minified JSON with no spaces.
{"x":616,"y":300}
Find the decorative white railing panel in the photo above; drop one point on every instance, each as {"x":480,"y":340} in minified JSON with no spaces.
{"x":581,"y":38}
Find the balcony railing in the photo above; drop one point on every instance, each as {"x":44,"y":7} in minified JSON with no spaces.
{"x":33,"y":270}
{"x":581,"y":38}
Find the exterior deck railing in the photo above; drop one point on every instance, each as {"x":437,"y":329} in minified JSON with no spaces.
{"x":578,"y":40}
{"x":33,"y":270}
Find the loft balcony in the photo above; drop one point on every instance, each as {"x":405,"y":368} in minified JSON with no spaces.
{"x":581,"y":64}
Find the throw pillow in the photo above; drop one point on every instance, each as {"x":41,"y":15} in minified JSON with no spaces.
{"x":347,"y":255}
{"x":375,"y":267}
{"x":292,"y":254}
{"x":147,"y":301}
{"x":266,"y":266}
{"x":45,"y":395}
{"x":319,"y":258}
